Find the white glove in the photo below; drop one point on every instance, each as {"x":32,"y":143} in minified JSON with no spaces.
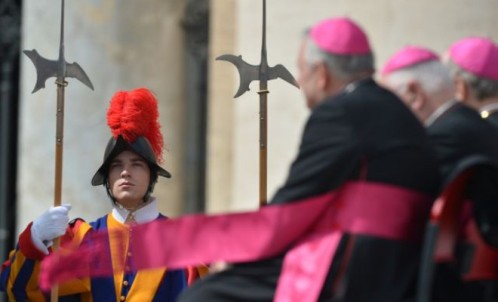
{"x":48,"y":226}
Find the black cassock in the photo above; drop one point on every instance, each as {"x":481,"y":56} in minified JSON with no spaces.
{"x":457,"y":134}
{"x":493,"y":119}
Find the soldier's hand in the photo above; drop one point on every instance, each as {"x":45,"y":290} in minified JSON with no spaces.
{"x":50,"y":225}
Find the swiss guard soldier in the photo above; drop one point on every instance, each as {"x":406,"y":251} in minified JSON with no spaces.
{"x":457,"y":133}
{"x":473,"y":64}
{"x":129,"y":171}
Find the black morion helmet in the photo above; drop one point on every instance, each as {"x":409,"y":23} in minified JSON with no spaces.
{"x":133,"y":120}
{"x":140,"y":146}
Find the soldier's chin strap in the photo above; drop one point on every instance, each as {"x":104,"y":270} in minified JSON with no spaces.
{"x":149,"y":191}
{"x":152,"y":183}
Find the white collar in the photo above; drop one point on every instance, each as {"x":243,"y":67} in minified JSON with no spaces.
{"x":355,"y":84}
{"x":485,"y":111}
{"x":438,"y":112}
{"x":144,"y":214}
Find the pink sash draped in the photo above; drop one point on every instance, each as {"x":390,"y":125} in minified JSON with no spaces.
{"x":361,"y":208}
{"x":309,"y":230}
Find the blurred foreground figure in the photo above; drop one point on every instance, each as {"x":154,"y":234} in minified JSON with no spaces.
{"x":358,"y":133}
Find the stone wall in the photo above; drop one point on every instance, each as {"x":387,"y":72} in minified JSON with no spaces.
{"x":121,"y":45}
{"x":390,"y":24}
{"x":127,"y":44}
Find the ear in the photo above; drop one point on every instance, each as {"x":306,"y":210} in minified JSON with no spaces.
{"x":322,"y":76}
{"x":416,"y":96}
{"x":461,"y":89}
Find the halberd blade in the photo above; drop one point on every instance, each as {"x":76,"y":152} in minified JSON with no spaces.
{"x":44,"y":68}
{"x":247,"y":72}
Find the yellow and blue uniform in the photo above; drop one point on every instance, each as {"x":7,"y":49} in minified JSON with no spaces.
{"x":19,"y":276}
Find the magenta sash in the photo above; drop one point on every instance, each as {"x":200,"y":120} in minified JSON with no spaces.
{"x":360,"y":208}
{"x":309,"y":230}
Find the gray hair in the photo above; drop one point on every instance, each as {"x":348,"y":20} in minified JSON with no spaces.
{"x":480,"y":88}
{"x":432,"y":76}
{"x":346,"y":67}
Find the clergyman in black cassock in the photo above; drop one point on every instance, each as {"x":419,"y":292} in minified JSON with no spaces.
{"x":457,"y":133}
{"x":357,"y":131}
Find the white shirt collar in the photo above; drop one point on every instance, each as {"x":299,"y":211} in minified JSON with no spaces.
{"x":146,"y":213}
{"x":439,"y":111}
{"x":355,"y":84}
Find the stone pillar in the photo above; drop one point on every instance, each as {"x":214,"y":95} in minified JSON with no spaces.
{"x":220,"y":137}
{"x":121,"y":45}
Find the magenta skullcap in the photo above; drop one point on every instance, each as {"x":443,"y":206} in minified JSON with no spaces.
{"x":476,"y":55}
{"x":408,"y":56}
{"x":340,"y":36}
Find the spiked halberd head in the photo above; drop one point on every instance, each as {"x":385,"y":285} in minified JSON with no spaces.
{"x":133,"y":120}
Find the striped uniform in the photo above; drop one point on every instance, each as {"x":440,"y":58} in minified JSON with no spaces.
{"x":19,"y":276}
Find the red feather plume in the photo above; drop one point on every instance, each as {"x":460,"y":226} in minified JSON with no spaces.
{"x":134,"y":113}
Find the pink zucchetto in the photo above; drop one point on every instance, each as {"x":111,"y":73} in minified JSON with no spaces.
{"x":476,"y":55}
{"x":340,"y":36}
{"x":408,"y":56}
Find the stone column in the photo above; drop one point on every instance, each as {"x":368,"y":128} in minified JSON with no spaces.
{"x":220,"y":137}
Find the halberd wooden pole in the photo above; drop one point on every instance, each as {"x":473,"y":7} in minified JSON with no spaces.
{"x":263,"y":145}
{"x":262,"y":73}
{"x":60,"y":69}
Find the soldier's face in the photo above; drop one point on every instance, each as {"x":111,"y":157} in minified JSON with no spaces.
{"x":129,"y":177}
